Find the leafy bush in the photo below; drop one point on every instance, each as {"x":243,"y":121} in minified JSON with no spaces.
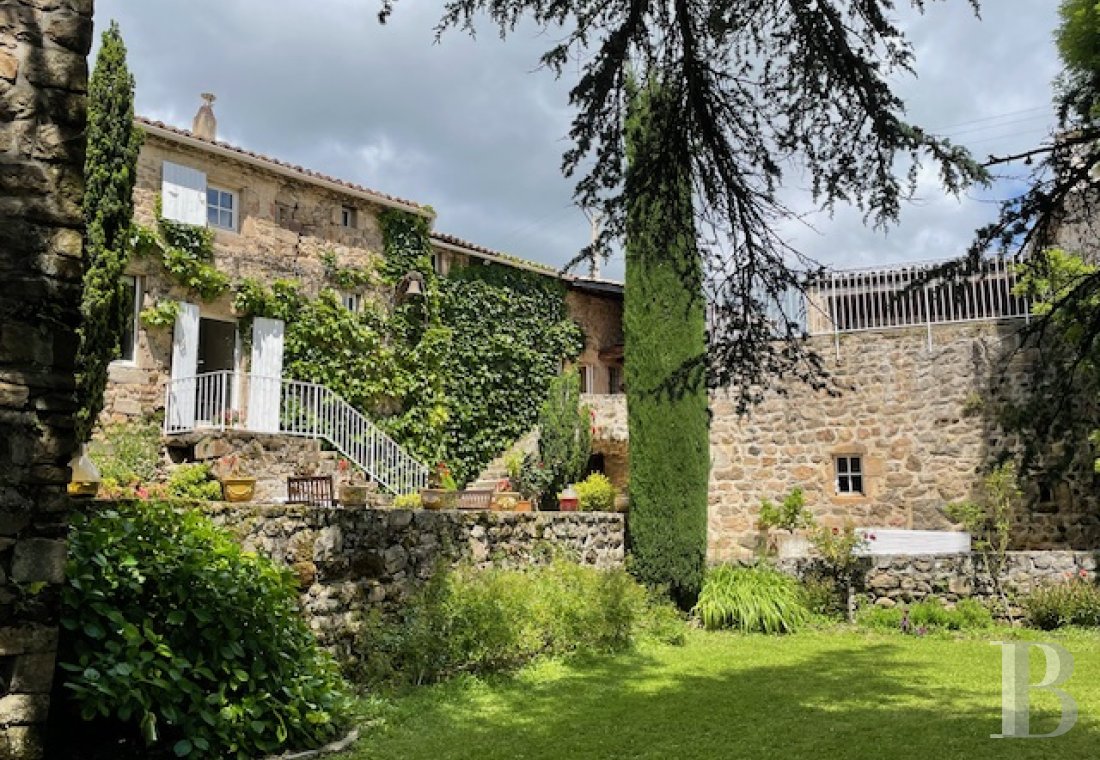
{"x":926,"y":616}
{"x":596,"y":493}
{"x":484,"y":621}
{"x":195,"y":482}
{"x":1073,"y":602}
{"x":565,"y":435}
{"x":751,"y":599}
{"x":128,"y":452}
{"x":174,"y":634}
{"x":407,"y":501}
{"x":790,"y":515}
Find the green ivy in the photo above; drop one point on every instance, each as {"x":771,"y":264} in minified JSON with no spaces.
{"x":187,"y":253}
{"x":162,"y":315}
{"x":346,"y":278}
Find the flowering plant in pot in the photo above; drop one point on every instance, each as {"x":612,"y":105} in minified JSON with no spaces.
{"x":442,"y":490}
{"x":505,"y":497}
{"x":354,"y":487}
{"x":236,"y":486}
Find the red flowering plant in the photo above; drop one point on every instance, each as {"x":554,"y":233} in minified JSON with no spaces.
{"x":442,"y":477}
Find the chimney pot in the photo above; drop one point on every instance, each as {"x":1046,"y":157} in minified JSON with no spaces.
{"x":205,"y":125}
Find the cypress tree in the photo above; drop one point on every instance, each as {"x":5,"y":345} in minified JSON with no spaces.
{"x":665,"y":348}
{"x":110,"y":170}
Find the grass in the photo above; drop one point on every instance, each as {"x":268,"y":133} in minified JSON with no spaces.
{"x":820,"y":694}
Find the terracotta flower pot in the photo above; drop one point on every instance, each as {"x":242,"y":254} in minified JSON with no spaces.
{"x":438,"y":498}
{"x":238,"y":489}
{"x":524,"y":505}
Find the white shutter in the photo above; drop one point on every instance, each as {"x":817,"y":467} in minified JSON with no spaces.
{"x":266,"y":379}
{"x":183,"y":194}
{"x":185,"y":365}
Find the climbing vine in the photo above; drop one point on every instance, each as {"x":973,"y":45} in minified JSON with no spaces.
{"x":187,"y":253}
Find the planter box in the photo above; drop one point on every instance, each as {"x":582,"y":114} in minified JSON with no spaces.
{"x":438,"y":498}
{"x":238,"y":489}
{"x":354,"y":494}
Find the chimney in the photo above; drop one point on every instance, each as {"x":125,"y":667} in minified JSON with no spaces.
{"x":205,"y":126}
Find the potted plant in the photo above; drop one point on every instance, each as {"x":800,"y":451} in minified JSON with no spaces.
{"x":442,"y":490}
{"x":505,"y":497}
{"x":354,"y":488}
{"x":785,"y":525}
{"x":568,"y":501}
{"x":531,"y":482}
{"x":235,"y":485}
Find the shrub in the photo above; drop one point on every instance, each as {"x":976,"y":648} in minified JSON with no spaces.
{"x":407,"y":501}
{"x":926,"y":616}
{"x":176,"y":636}
{"x":128,"y":452}
{"x":194,"y":482}
{"x":751,"y":599}
{"x":596,"y":493}
{"x":1073,"y":602}
{"x":495,"y":619}
{"x":790,"y":515}
{"x":565,"y":436}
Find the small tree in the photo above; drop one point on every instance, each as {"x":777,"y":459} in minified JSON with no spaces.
{"x":565,"y":435}
{"x":110,"y":171}
{"x":989,"y":522}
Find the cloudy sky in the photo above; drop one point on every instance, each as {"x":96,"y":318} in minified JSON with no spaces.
{"x":476,"y":130}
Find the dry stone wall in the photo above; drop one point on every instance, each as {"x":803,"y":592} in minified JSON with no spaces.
{"x":352,"y":561}
{"x":923,"y":420}
{"x":890,"y":580}
{"x":43,"y":82}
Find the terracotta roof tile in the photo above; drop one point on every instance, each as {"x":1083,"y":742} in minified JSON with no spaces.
{"x":307,"y":173}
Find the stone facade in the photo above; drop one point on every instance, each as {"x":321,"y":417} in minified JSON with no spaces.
{"x":352,"y":561}
{"x":920,"y":417}
{"x":43,"y":84}
{"x":600,"y":316}
{"x":610,"y":435}
{"x":890,"y":580}
{"x":284,"y":225}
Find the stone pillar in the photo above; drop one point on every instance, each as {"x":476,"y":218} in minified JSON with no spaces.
{"x":43,"y":84}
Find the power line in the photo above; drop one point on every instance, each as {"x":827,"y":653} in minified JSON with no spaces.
{"x":989,"y":118}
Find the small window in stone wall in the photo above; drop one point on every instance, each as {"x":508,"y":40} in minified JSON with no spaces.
{"x":347,"y":217}
{"x":849,"y":475}
{"x":353,"y":302}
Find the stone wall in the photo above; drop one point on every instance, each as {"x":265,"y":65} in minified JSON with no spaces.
{"x":351,"y":561}
{"x":890,"y":580}
{"x":611,"y":435}
{"x":601,"y":319}
{"x":43,"y":83}
{"x":923,"y":420}
{"x":269,"y":458}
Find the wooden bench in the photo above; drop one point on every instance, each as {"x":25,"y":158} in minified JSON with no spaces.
{"x":316,"y":491}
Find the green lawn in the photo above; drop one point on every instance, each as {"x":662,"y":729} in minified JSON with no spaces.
{"x":816,"y":695}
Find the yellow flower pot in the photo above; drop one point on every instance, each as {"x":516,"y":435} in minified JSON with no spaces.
{"x":238,"y":489}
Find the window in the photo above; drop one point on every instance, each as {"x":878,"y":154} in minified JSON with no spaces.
{"x":849,"y":475}
{"x":221,"y":208}
{"x":438,"y":264}
{"x":585,"y":372}
{"x":347,"y":217}
{"x":131,"y":310}
{"x":615,"y":379}
{"x":353,"y":302}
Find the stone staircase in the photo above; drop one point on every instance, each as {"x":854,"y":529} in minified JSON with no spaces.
{"x":497,"y":470}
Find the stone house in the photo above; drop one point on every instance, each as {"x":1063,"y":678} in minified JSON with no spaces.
{"x":273,"y":220}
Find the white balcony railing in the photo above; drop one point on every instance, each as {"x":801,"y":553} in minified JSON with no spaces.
{"x":290,"y":407}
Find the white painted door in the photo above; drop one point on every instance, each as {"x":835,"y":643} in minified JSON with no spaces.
{"x":185,"y":365}
{"x":183,"y":194}
{"x":266,"y":379}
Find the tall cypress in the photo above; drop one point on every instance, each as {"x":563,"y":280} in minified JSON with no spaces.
{"x":110,"y":171}
{"x":664,"y":324}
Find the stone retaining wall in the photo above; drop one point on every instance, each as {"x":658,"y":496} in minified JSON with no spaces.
{"x":351,"y":561}
{"x":893,"y":579}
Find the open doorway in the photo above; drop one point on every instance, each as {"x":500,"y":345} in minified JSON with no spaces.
{"x":217,"y":359}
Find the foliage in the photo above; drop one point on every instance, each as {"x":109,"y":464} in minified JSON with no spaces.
{"x":442,"y":477}
{"x":663,"y":323}
{"x":110,"y":171}
{"x":186,"y":251}
{"x":128,"y":452}
{"x":513,"y":464}
{"x":791,"y":515}
{"x":534,"y":478}
{"x":989,"y":523}
{"x":1074,"y":601}
{"x":407,"y":501}
{"x":923,"y":617}
{"x":751,"y":599}
{"x":183,"y":639}
{"x":805,"y":87}
{"x":565,"y":436}
{"x":195,"y":482}
{"x":161,"y":315}
{"x":596,"y":493}
{"x":346,"y":278}
{"x":839,"y":547}
{"x":496,"y":619}
{"x":510,"y":332}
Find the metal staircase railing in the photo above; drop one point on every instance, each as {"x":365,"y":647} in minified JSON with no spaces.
{"x":290,"y":407}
